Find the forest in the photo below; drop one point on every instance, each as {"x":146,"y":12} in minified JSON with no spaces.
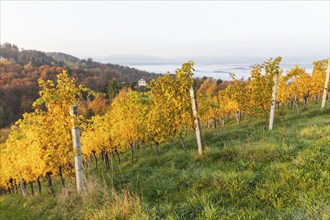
{"x":20,"y":70}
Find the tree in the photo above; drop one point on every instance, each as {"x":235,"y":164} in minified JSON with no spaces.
{"x":227,"y":105}
{"x":282,"y":94}
{"x":22,"y":156}
{"x":239,"y":94}
{"x":186,"y":89}
{"x":299,"y":86}
{"x":112,"y":89}
{"x":261,"y":84}
{"x":98,"y":105}
{"x":97,"y":138}
{"x":160,"y":118}
{"x":170,"y":111}
{"x":207,"y":101}
{"x":318,"y":78}
{"x":128,"y":112}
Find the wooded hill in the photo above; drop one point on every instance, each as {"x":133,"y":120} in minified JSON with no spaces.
{"x":20,"y":69}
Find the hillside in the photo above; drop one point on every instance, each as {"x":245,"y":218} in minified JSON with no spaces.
{"x":245,"y":173}
{"x":134,"y":165}
{"x":63,"y":57}
{"x":20,"y":70}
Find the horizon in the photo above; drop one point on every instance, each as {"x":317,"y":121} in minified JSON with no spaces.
{"x":146,"y":59}
{"x":213,"y":67}
{"x":202,"y":30}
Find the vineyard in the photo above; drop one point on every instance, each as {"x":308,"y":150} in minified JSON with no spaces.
{"x":140,"y":154}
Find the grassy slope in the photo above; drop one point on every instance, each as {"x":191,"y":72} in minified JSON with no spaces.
{"x":246,"y":172}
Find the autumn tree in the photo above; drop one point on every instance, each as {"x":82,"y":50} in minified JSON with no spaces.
{"x":298,"y":86}
{"x":170,"y":111}
{"x":208,"y":101}
{"x":129,"y":112}
{"x":99,"y":105}
{"x":112,"y":89}
{"x":282,"y":93}
{"x":318,"y":79}
{"x":261,"y":83}
{"x":160,"y":118}
{"x":240,"y":97}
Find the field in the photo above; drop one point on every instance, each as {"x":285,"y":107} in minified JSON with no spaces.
{"x":244,"y":173}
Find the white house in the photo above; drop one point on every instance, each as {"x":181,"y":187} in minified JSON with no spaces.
{"x":142,"y":82}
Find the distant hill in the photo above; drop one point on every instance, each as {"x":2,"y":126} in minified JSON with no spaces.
{"x":33,"y":57}
{"x":36,"y":59}
{"x":136,"y":60}
{"x":21,"y":69}
{"x":63,"y":57}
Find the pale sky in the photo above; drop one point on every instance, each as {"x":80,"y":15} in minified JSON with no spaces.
{"x":169,"y":29}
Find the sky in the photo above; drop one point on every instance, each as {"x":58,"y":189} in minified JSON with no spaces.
{"x":169,"y":29}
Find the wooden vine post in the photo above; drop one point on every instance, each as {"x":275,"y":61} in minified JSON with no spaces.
{"x":272,"y":108}
{"x":326,"y":86}
{"x":196,"y":120}
{"x":76,"y":148}
{"x":22,"y":185}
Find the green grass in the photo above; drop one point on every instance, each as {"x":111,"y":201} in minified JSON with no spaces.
{"x":245,"y":173}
